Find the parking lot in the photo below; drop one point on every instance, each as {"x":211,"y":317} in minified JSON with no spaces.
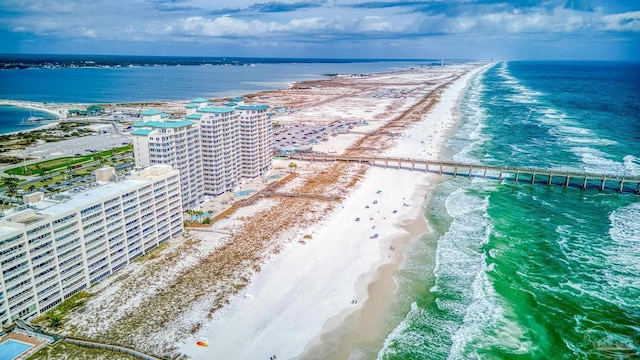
{"x":303,"y":137}
{"x":82,"y":146}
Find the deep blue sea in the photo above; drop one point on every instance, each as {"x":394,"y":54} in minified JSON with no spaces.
{"x":520,"y":271}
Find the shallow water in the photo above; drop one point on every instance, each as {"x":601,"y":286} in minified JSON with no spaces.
{"x":530,"y":271}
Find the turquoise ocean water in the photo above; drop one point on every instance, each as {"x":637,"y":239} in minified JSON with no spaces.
{"x":529,"y":271}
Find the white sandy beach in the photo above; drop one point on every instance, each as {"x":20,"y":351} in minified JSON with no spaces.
{"x":297,"y":295}
{"x":56,"y":110}
{"x":308,"y":290}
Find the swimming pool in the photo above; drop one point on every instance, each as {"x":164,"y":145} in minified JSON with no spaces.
{"x":11,"y":349}
{"x":244,"y":192}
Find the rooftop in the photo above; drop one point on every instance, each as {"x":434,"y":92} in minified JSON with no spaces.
{"x":78,"y":198}
{"x":83,"y":197}
{"x":217,"y":110}
{"x":144,"y":132}
{"x":162,"y":124}
{"x":253,"y":107}
{"x":150,"y":112}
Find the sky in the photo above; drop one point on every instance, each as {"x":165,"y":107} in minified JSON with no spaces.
{"x":380,"y":29}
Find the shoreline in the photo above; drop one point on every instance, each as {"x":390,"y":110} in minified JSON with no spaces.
{"x":32,"y":106}
{"x":367,"y":326}
{"x":341,"y":261}
{"x":333,"y":319}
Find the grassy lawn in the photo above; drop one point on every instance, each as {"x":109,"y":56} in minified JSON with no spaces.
{"x":65,"y":162}
{"x":63,"y":350}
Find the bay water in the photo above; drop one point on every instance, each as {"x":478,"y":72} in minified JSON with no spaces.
{"x":11,"y":116}
{"x":137,"y":84}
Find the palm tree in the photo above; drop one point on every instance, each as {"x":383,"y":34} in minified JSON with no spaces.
{"x":293,"y":167}
{"x":55,"y":321}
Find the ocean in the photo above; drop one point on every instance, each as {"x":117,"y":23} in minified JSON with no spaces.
{"x":519,"y":271}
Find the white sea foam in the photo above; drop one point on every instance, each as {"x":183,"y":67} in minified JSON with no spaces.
{"x":462,"y":263}
{"x":625,"y":234}
{"x":631,"y":164}
{"x":597,"y":161}
{"x":575,"y":130}
{"x":613,"y":261}
{"x":474,"y":123}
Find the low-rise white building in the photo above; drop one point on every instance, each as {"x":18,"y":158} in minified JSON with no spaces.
{"x":53,"y":248}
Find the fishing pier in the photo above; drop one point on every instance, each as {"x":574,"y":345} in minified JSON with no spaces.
{"x":38,"y":121}
{"x":582,"y":180}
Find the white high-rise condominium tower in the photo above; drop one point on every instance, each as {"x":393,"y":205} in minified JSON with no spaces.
{"x":159,"y":140}
{"x":256,"y":140}
{"x":220,"y":137}
{"x":234,"y":142}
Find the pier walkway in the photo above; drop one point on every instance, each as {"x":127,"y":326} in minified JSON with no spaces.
{"x":582,"y":180}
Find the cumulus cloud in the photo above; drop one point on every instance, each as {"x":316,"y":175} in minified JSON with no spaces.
{"x":626,"y":22}
{"x":224,"y":26}
{"x":316,"y":21}
{"x":89,"y":33}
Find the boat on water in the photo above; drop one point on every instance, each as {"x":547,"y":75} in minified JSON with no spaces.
{"x":37,"y":120}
